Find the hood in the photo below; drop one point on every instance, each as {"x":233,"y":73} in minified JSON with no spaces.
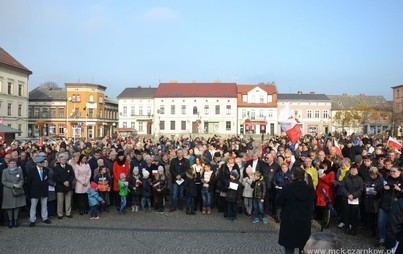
{"x":300,"y":190}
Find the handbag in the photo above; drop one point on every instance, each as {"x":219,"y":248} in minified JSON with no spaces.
{"x":18,"y":192}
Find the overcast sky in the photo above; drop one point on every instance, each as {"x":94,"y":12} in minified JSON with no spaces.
{"x":330,"y":47}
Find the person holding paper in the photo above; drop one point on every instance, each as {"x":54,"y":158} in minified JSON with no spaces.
{"x":232,"y":195}
{"x":351,"y":188}
{"x":178,"y":167}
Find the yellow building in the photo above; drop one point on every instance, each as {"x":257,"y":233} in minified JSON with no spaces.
{"x":80,"y":110}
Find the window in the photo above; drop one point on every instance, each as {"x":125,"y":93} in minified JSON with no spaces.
{"x":124,"y":110}
{"x":132,"y":110}
{"x":141,"y":126}
{"x":19,"y":109}
{"x":149,"y":111}
{"x":173,"y":125}
{"x":52,"y":129}
{"x":133,"y":125}
{"x":206,"y":109}
{"x":19,"y":128}
{"x":10,"y":88}
{"x":261,"y":99}
{"x":91,"y":113}
{"x":217,"y":109}
{"x":100,"y":114}
{"x":243,"y":113}
{"x":309,"y":114}
{"x":91,"y":98}
{"x":269,"y":98}
{"x":228,"y":109}
{"x":29,"y":111}
{"x":162,"y":109}
{"x":317,"y":114}
{"x":173,"y":109}
{"x":183,"y":125}
{"x":253,"y":98}
{"x":195,"y":110}
{"x":61,"y":112}
{"x":61,"y":128}
{"x":244,"y":98}
{"x":228,"y":125}
{"x":162,"y":125}
{"x":141,"y":110}
{"x":36,"y":112}
{"x":270,"y":115}
{"x":45,"y":112}
{"x":76,"y":113}
{"x":261,"y":113}
{"x":53,"y":112}
{"x":252,"y":114}
{"x":9,"y":109}
{"x":20,"y":90}
{"x":325,"y":114}
{"x":183,"y":110}
{"x":76,"y":98}
{"x":124,"y":124}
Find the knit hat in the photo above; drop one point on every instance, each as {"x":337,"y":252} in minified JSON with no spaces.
{"x":122,"y":176}
{"x":121,"y":153}
{"x":146,"y":174}
{"x":235,"y":173}
{"x":136,"y":170}
{"x":160,"y":169}
{"x":93,"y":185}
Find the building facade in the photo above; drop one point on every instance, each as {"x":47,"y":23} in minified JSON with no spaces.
{"x":198,"y":108}
{"x":312,"y":111}
{"x":360,"y":114}
{"x":397,"y":105}
{"x":257,"y":109}
{"x":80,"y":110}
{"x":136,"y":111}
{"x":14,"y":79}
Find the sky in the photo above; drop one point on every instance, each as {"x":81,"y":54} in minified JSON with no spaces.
{"x":324,"y":46}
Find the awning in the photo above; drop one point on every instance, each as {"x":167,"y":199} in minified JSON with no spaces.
{"x":250,"y":123}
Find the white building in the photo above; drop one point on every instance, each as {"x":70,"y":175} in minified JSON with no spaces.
{"x":13,"y":93}
{"x":204,"y":108}
{"x":136,"y":111}
{"x":257,"y":109}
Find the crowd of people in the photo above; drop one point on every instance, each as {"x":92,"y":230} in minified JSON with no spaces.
{"x":235,"y":176}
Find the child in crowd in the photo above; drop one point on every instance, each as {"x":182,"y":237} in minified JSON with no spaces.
{"x":259,"y":191}
{"x":232,"y":195}
{"x":146,"y":191}
{"x":190,"y":191}
{"x":247,"y":193}
{"x":123,"y":191}
{"x":93,"y":200}
{"x":135,"y":189}
{"x":104,"y":180}
{"x":160,"y":184}
{"x":208,"y":180}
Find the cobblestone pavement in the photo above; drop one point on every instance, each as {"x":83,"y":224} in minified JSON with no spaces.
{"x":151,"y":232}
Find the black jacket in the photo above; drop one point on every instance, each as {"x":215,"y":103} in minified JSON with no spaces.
{"x":61,"y":175}
{"x":395,"y":227}
{"x":38,"y":188}
{"x":190,"y":186}
{"x":268,"y":172}
{"x":352,"y":185}
{"x":297,"y":202}
{"x":388,"y":197}
{"x":211,"y":183}
{"x":178,"y":167}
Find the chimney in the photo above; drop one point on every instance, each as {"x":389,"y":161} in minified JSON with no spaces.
{"x":299,"y":92}
{"x":311,"y":92}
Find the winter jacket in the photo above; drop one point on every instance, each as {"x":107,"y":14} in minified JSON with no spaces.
{"x":269,"y":171}
{"x":247,"y":190}
{"x":390,"y":196}
{"x":281,"y":179}
{"x":62,"y":175}
{"x":232,"y":195}
{"x":325,"y":183}
{"x":313,"y":172}
{"x":104,"y":182}
{"x":371,"y":201}
{"x":352,"y":185}
{"x":82,"y":174}
{"x":135,"y":185}
{"x":190,"y":186}
{"x":118,"y":168}
{"x":259,"y":188}
{"x":123,"y":190}
{"x":146,"y":189}
{"x":93,"y":197}
{"x":297,"y":202}
{"x":9,"y":179}
{"x":395,"y":229}
{"x":178,"y":167}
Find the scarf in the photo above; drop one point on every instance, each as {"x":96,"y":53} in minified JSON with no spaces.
{"x":13,"y":171}
{"x":343,"y":173}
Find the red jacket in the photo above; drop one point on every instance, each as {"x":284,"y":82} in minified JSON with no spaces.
{"x":326,"y":182}
{"x":117,"y":170}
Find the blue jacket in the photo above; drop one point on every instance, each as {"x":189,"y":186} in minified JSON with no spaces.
{"x":93,"y":197}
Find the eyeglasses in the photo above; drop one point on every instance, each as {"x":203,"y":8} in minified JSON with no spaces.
{"x":393,"y":171}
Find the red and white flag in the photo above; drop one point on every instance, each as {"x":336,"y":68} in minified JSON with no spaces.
{"x":289,"y":125}
{"x":394,"y":143}
{"x":338,"y":150}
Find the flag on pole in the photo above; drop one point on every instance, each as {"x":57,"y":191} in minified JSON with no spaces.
{"x":338,"y":150}
{"x":289,"y":125}
{"x":394,"y":143}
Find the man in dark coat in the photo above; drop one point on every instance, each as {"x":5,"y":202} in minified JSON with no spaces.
{"x":395,"y":230}
{"x":63,"y":176}
{"x":297,"y":202}
{"x":38,"y":185}
{"x":178,"y":167}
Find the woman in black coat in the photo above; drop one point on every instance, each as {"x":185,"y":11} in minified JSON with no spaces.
{"x":297,"y":201}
